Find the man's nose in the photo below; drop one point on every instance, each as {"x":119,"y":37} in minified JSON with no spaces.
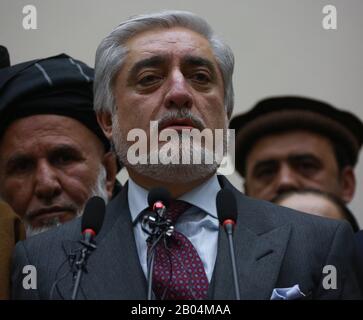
{"x":287,"y":180}
{"x":179,"y":94}
{"x":47,"y":185}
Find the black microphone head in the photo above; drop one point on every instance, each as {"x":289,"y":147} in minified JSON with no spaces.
{"x":159,"y":194}
{"x":4,"y":57}
{"x":94,"y":214}
{"x":226,"y":206}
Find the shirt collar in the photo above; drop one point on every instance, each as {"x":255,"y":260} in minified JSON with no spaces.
{"x":200,"y":197}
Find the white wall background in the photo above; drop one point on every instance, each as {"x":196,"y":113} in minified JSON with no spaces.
{"x":279,"y":45}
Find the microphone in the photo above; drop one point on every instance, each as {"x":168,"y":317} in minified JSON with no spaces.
{"x":4,"y":57}
{"x":92,"y":221}
{"x":227,"y":216}
{"x":92,"y":218}
{"x":158,"y":200}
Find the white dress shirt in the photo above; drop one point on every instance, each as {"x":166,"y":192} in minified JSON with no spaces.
{"x":199,"y":223}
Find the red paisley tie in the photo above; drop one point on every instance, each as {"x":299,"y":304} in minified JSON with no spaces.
{"x":178,"y":272}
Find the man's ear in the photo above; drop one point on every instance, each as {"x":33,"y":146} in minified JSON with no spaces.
{"x":105,"y":121}
{"x":110,"y":164}
{"x":348,"y":183}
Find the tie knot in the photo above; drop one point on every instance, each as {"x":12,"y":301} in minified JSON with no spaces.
{"x":176,"y":209}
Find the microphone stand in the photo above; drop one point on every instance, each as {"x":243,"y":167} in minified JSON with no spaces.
{"x":229,"y":230}
{"x":81,"y":264}
{"x":150,"y":265}
{"x":159,"y":228}
{"x":149,"y":276}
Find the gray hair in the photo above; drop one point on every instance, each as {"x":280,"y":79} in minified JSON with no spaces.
{"x":112,"y":51}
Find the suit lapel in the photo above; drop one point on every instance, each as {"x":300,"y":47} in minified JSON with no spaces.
{"x":258,"y":257}
{"x":113,"y":269}
{"x":258,"y":260}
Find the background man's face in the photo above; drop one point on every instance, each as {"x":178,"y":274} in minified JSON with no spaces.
{"x":168,"y":71}
{"x":291,"y":161}
{"x":313,"y":204}
{"x":48,"y":165}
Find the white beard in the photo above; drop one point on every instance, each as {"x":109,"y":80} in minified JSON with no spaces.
{"x":175,"y":171}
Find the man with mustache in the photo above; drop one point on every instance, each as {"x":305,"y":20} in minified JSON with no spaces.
{"x":171,"y":68}
{"x":53,"y":155}
{"x":288,"y":143}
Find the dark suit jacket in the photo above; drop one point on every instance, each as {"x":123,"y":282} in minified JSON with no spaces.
{"x":275,"y":247}
{"x":11,"y":231}
{"x":359,"y":242}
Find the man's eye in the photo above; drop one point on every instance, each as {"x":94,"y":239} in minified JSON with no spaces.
{"x":307,"y":167}
{"x":149,"y":80}
{"x":265,"y":173}
{"x":201,"y":78}
{"x":20,"y":167}
{"x":63,"y":159}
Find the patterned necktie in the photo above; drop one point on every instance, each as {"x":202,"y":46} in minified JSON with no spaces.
{"x":178,"y":272}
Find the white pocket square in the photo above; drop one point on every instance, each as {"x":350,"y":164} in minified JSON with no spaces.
{"x":287,"y":293}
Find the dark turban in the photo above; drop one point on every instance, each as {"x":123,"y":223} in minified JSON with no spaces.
{"x":57,"y":85}
{"x":289,"y":113}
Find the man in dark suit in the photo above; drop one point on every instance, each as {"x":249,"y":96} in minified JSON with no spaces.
{"x":171,"y":68}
